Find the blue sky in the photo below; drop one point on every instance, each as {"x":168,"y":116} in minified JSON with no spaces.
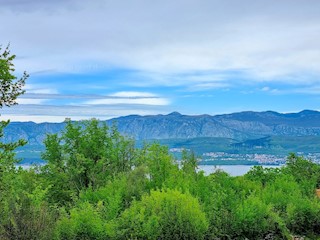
{"x":106,"y":58}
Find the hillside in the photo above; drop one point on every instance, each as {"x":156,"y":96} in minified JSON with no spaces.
{"x":244,"y":132}
{"x":239,"y":126}
{"x":244,"y":125}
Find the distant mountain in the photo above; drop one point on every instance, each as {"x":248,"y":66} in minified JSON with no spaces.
{"x":243,"y":125}
{"x":34,"y":133}
{"x":175,"y":125}
{"x":240,"y":126}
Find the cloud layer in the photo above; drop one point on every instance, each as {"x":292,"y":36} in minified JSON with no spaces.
{"x":270,"y":40}
{"x":162,"y":50}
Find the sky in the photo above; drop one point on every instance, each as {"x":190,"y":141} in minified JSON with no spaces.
{"x":110,"y":58}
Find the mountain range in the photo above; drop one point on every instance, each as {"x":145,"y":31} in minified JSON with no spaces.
{"x":238,"y":126}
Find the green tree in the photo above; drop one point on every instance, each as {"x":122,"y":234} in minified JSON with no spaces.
{"x":87,"y":154}
{"x":24,"y":213}
{"x":7,"y":154}
{"x":189,"y":162}
{"x":159,"y":162}
{"x":263,"y":175}
{"x":11,"y":87}
{"x":302,"y":169}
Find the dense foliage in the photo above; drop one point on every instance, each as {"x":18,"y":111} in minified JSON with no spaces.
{"x":97,"y":185}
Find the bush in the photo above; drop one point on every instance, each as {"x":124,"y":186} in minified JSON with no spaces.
{"x":83,"y":223}
{"x":165,"y":214}
{"x":255,"y":220}
{"x":304,"y":217}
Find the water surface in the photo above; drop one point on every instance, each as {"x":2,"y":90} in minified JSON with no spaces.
{"x":233,"y":170}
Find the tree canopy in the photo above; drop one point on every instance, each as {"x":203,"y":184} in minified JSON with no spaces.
{"x":11,"y":86}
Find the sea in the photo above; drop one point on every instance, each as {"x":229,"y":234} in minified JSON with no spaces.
{"x":233,"y":170}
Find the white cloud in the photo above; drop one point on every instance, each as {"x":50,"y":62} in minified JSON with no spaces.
{"x":47,"y":118}
{"x":49,"y":114}
{"x":36,"y":119}
{"x":131,"y":101}
{"x":39,"y":89}
{"x":310,"y":90}
{"x":31,"y":101}
{"x":269,"y":40}
{"x":133,"y":94}
{"x":130,"y":98}
{"x":208,"y":86}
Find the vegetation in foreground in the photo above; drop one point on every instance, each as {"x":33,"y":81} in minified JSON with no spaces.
{"x":97,"y":185}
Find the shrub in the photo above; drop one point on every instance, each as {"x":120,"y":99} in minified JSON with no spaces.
{"x":83,"y":223}
{"x":165,"y":214}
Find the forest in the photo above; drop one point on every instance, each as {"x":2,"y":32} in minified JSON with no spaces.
{"x":97,"y":185}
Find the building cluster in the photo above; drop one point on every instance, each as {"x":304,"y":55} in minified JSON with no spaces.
{"x":263,"y":159}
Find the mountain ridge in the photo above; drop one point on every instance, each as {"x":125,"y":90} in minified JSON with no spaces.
{"x":240,"y":125}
